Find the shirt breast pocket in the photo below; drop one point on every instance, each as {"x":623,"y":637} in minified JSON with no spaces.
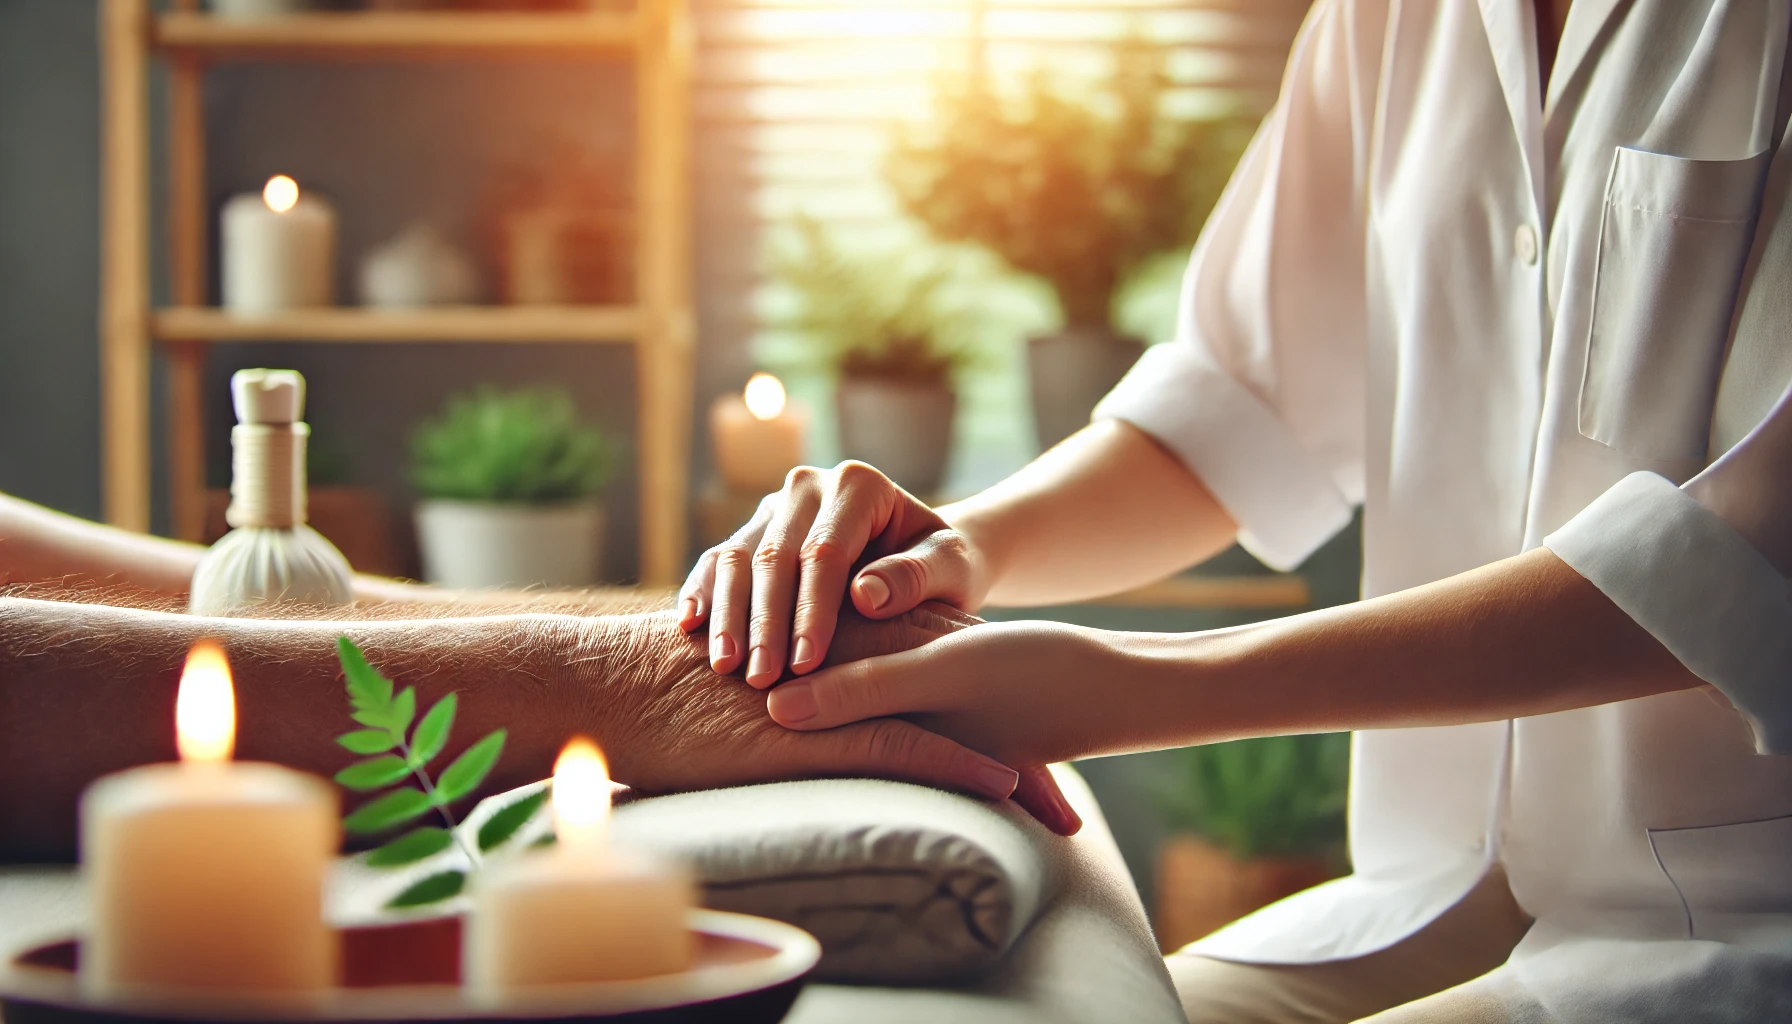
{"x":1673,"y":238}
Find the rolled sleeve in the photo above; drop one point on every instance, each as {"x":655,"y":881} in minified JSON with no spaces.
{"x":1698,"y":586}
{"x":1282,"y":498}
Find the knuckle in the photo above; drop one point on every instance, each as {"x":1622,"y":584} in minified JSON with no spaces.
{"x":826,"y":547}
{"x":771,"y":554}
{"x":802,"y":477}
{"x":853,"y":473}
{"x":891,"y":742}
{"x":907,"y":575}
{"x":950,"y":543}
{"x":765,"y":629}
{"x":732,"y":557}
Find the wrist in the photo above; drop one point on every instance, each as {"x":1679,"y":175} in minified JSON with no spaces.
{"x":614,"y":673}
{"x":984,"y":551}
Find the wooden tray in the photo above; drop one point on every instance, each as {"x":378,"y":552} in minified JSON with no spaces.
{"x":748,"y":969}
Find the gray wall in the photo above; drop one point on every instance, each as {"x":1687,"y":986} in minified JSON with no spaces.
{"x":49,"y":253}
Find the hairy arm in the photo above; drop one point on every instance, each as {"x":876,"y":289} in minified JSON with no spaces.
{"x":88,"y":689}
{"x":79,"y":559}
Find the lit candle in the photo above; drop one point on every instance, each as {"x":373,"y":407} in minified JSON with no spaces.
{"x":279,"y":249}
{"x":207,"y":876}
{"x":758,"y":435}
{"x":581,"y":911}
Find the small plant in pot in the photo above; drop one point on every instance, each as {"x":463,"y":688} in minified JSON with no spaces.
{"x":884,"y":325}
{"x":1255,"y":821}
{"x":510,"y":485}
{"x":1082,"y":193}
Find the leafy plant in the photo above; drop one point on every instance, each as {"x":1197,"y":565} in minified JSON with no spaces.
{"x":525,"y":446}
{"x":1081,"y":192}
{"x":1275,"y":796}
{"x":888,"y":315}
{"x":396,"y":753}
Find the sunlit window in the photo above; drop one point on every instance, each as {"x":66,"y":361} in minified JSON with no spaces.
{"x":802,"y":98}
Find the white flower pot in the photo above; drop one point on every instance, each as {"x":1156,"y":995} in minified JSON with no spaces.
{"x":1069,"y":372}
{"x":472,"y":545}
{"x":900,"y":427}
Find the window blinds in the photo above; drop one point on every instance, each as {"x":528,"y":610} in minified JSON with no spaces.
{"x":797,"y":101}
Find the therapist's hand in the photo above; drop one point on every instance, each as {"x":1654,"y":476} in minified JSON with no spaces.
{"x":772,"y":592}
{"x":1021,"y":692}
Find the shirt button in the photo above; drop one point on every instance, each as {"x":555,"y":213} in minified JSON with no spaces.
{"x":1524,"y":244}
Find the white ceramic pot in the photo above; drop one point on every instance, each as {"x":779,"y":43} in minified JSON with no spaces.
{"x":472,"y":545}
{"x":902,"y":428}
{"x":1069,"y":372}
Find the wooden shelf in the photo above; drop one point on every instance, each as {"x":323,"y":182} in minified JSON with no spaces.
{"x":449,"y":323}
{"x":381,"y":34}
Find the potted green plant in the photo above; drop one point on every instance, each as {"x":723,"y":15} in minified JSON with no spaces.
{"x":510,"y":485}
{"x":1080,"y":192}
{"x":1255,"y":821}
{"x":883,"y":324}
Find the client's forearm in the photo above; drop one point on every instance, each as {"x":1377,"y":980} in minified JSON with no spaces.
{"x":88,"y":561}
{"x":89,"y":689}
{"x":38,"y":545}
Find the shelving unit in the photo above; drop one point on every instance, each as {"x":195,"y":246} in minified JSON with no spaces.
{"x":660,"y":324}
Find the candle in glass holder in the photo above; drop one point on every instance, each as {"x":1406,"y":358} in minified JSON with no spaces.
{"x":758,"y":436}
{"x":207,"y":876}
{"x":279,"y":250}
{"x":581,"y":911}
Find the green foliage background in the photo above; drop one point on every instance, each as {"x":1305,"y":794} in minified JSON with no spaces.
{"x":526,"y":446}
{"x":1081,"y":190}
{"x":1278,"y":796}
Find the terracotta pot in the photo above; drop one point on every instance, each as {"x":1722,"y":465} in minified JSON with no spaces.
{"x":902,"y":427}
{"x":1069,"y":372}
{"x":355,"y":519}
{"x":564,"y":257}
{"x":1202,"y":888}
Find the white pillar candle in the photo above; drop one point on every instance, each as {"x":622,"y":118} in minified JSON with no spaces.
{"x":581,"y":911}
{"x":206,"y":877}
{"x":279,"y":250}
{"x":758,"y":436}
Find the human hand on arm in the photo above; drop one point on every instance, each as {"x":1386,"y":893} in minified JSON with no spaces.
{"x":89,"y":689}
{"x":1523,"y":636}
{"x":1105,"y":510}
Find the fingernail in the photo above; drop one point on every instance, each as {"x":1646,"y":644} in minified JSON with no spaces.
{"x":792,"y":703}
{"x":1069,"y":822}
{"x":721,"y":648}
{"x":805,"y":653}
{"x":760,"y":664}
{"x":873,"y":591}
{"x":688,"y":612}
{"x":993,"y":779}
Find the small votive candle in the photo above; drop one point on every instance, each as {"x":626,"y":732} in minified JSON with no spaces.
{"x":207,"y":876}
{"x":279,"y":250}
{"x":758,"y":435}
{"x":581,"y":911}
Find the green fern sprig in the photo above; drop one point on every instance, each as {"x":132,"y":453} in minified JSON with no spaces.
{"x":394,"y":752}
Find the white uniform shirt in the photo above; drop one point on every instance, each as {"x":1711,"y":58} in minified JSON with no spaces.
{"x":1498,"y":320}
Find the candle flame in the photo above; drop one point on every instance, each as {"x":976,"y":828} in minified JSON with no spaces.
{"x":581,"y":793}
{"x":281,"y":193}
{"x":764,"y":396}
{"x":205,"y":709}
